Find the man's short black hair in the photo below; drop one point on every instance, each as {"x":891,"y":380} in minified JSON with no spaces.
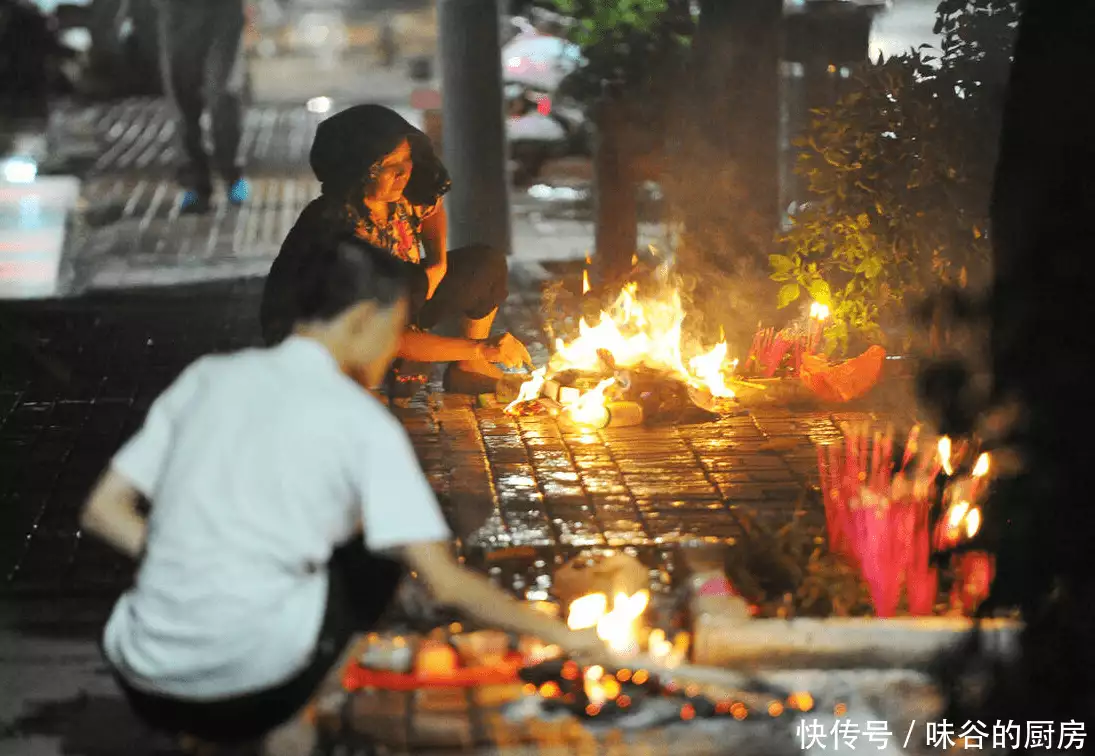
{"x":343,"y":274}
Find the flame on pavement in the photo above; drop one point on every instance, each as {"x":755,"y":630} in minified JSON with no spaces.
{"x":635,"y":331}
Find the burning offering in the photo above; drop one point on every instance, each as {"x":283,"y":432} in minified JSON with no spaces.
{"x":633,"y":364}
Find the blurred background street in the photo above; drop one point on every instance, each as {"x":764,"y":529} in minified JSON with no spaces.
{"x":103,"y":213}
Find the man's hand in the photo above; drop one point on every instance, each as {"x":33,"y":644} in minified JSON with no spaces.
{"x":509,"y":351}
{"x":587,"y":648}
{"x":434,"y":274}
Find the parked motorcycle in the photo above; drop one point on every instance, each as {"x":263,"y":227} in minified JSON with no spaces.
{"x":541,"y":124}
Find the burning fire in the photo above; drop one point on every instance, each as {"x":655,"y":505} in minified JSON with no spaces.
{"x":619,"y":626}
{"x":590,"y":408}
{"x":633,"y":332}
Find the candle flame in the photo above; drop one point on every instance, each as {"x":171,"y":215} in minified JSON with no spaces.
{"x":981,"y":469}
{"x":944,"y":449}
{"x":957,"y":513}
{"x":973,"y":522}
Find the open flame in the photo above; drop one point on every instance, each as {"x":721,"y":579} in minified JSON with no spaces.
{"x":530,"y":389}
{"x":619,"y":626}
{"x":633,"y":332}
{"x":589,"y":408}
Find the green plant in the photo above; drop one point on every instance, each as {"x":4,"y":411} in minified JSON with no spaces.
{"x":898,"y":173}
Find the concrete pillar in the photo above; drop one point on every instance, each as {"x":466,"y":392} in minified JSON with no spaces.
{"x":474,"y":139}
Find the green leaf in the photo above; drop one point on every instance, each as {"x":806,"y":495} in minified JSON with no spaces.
{"x":788,"y":293}
{"x":820,"y":292}
{"x":871,"y":267}
{"x":780,"y":263}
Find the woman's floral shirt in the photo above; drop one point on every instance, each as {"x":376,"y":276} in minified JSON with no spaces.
{"x":400,"y":234}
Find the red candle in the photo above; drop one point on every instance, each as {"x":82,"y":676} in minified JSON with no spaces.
{"x":975,"y":573}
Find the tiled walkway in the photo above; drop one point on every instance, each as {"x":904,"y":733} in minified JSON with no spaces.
{"x":506,"y":482}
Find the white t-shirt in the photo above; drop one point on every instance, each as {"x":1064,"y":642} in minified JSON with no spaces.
{"x":257,"y":465}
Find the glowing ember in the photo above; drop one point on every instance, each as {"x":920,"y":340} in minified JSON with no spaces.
{"x":633,"y":332}
{"x":944,"y":448}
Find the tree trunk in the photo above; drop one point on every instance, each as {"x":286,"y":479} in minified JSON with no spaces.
{"x":755,"y":54}
{"x":474,"y":124}
{"x":728,"y":169}
{"x":1042,"y":356}
{"x":616,"y":204}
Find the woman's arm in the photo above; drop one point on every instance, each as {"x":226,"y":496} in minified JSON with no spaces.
{"x":435,"y":237}
{"x":419,"y":346}
{"x":111,"y":514}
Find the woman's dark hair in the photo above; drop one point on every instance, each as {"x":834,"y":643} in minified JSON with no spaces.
{"x":349,"y":144}
{"x":340,"y":276}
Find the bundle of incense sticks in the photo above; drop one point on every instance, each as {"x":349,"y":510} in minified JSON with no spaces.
{"x":769,"y":350}
{"x":877,"y":514}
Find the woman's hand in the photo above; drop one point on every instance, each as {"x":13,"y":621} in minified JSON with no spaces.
{"x":434,"y":274}
{"x":508,"y":351}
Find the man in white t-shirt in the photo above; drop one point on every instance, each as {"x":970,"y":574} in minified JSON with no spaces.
{"x":285,"y":501}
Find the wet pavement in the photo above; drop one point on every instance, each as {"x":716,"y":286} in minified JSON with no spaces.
{"x":79,"y":374}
